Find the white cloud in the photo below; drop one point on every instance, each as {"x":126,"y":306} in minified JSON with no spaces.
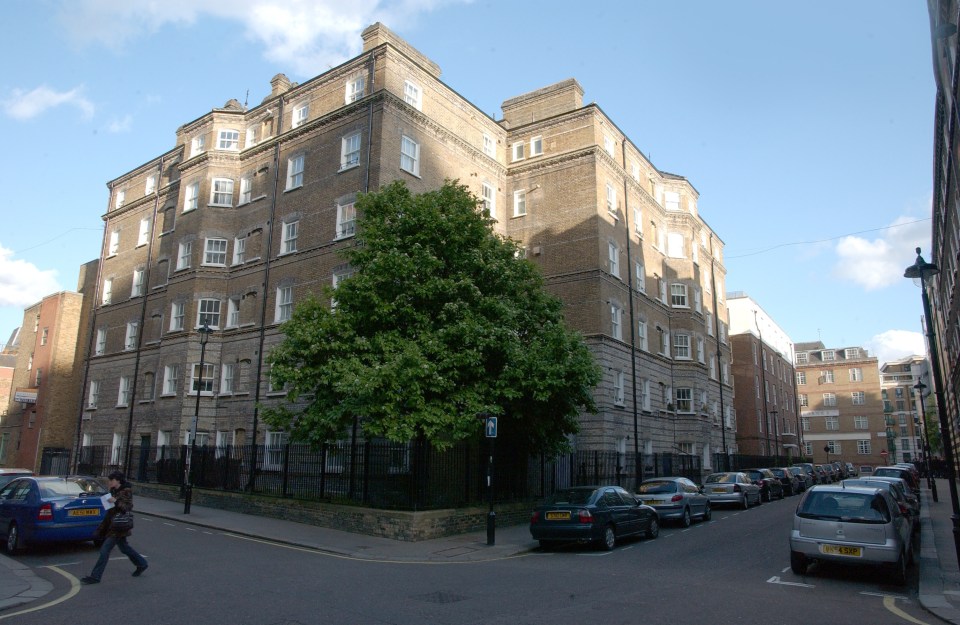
{"x":879,"y":263}
{"x":895,"y":344}
{"x":308,"y":36}
{"x":28,"y":104}
{"x":120,"y":125}
{"x":23,"y":283}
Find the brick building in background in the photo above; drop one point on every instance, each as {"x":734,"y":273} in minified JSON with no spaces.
{"x":765,"y":382}
{"x":900,"y":402}
{"x":40,"y":425}
{"x":841,"y":407}
{"x":245,"y":216}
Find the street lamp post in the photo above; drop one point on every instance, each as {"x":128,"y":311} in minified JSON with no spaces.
{"x":187,"y":481}
{"x":923,"y":271}
{"x":922,"y":420}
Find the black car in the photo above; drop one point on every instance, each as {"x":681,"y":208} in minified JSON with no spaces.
{"x":770,"y":486}
{"x":596,"y":514}
{"x":789,"y":481}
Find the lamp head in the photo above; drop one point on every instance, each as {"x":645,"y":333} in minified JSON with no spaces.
{"x":921,"y":269}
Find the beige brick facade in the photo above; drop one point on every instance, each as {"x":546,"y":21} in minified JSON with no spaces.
{"x":619,"y":241}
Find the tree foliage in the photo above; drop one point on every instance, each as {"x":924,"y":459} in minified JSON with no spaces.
{"x":440,"y":321}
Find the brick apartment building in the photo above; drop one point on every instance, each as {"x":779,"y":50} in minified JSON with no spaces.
{"x":40,"y":425}
{"x":900,"y":401}
{"x":245,"y":216}
{"x":841,"y":408}
{"x":764,"y":380}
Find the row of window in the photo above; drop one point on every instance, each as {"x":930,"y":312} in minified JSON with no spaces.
{"x":829,"y":355}
{"x":682,"y":397}
{"x":855,"y":374}
{"x":860,"y":422}
{"x":834,"y":447}
{"x":857,"y":398}
{"x":234,"y":378}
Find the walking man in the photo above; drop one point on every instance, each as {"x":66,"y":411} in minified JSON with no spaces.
{"x":121,"y":493}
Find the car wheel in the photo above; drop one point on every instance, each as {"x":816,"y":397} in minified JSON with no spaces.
{"x":707,"y":512}
{"x":746,"y":502}
{"x":654,"y":530}
{"x":769,"y":496}
{"x":898,"y":575}
{"x":13,"y":539}
{"x":609,"y":539}
{"x":685,"y":519}
{"x":782,"y":494}
{"x":798,"y":563}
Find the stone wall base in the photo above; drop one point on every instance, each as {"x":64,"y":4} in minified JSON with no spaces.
{"x":396,"y":524}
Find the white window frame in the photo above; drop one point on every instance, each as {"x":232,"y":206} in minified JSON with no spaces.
{"x":608,"y":144}
{"x":301,"y":113}
{"x":355,"y":89}
{"x":228,"y":139}
{"x":855,"y":374}
{"x":191,"y":197}
{"x":488,"y":196}
{"x":114,"y":245}
{"x":130,"y":338}
{"x":284,"y":306}
{"x":681,"y":346}
{"x":93,"y":394}
{"x":638,"y":222}
{"x":184,"y":255}
{"x":858,"y":398}
{"x":120,"y":198}
{"x":208,"y":313}
{"x":198,"y":145}
{"x":642,"y":335}
{"x":618,"y":388}
{"x":209,"y":373}
{"x":116,"y":448}
{"x":214,"y":252}
{"x":123,"y":391}
{"x":107,"y":295}
{"x":678,"y":295}
{"x":616,"y":325}
{"x":489,"y":147}
{"x":101,"y":343}
{"x":177,"y":316}
{"x":517,"y":151}
{"x":233,"y":312}
{"x":829,"y":399}
{"x":350,"y":151}
{"x":409,"y":155}
{"x":150,"y":185}
{"x":143,"y":235}
{"x":519,"y":203}
{"x":613,"y":259}
{"x":536,"y":146}
{"x":239,"y":250}
{"x":274,"y":443}
{"x":683,"y":399}
{"x":136,"y":283}
{"x":346,"y":220}
{"x":171,"y":374}
{"x":246,"y":190}
{"x":611,"y":199}
{"x":226,"y":378}
{"x":641,"y":277}
{"x":288,"y":239}
{"x":221,"y":192}
{"x":295,"y":166}
{"x":413,"y":94}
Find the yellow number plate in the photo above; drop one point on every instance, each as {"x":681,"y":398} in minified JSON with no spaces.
{"x":84,"y":512}
{"x":719,"y":490}
{"x":652,"y":502}
{"x":840,"y":550}
{"x":558,"y":516}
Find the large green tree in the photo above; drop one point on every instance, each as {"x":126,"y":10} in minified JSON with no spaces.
{"x":440,"y":321}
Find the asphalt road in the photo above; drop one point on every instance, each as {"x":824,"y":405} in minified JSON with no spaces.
{"x":734,"y":569}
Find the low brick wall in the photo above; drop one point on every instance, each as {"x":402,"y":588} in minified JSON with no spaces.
{"x":395,"y":524}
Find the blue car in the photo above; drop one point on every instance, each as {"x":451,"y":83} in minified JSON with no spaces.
{"x":50,"y":509}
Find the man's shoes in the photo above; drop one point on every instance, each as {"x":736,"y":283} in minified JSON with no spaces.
{"x":140,"y":570}
{"x":89,"y":580}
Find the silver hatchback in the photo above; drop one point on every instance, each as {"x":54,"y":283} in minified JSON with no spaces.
{"x":853,"y":526}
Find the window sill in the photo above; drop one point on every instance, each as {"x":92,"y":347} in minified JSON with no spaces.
{"x":213,"y":265}
{"x":290,"y":189}
{"x":111,"y":255}
{"x":90,"y":408}
{"x":414,"y":174}
{"x":276,"y":393}
{"x":145,"y":401}
{"x":187,"y":210}
{"x":213,"y":205}
{"x":348,"y":167}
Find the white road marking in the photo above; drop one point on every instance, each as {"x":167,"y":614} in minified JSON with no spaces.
{"x":883,"y":594}
{"x":776,"y":580}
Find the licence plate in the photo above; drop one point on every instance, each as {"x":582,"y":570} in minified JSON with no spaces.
{"x":84,"y":512}
{"x":840,"y":550}
{"x":558,"y":516}
{"x":652,"y":502}
{"x":719,"y":490}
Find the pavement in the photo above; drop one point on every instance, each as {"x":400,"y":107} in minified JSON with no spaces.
{"x":939,"y":579}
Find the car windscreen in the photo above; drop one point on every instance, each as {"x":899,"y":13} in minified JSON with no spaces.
{"x":779,"y":472}
{"x":725,"y":478}
{"x":576,"y":496}
{"x":69,"y":488}
{"x":659,"y":487}
{"x":845,"y":506}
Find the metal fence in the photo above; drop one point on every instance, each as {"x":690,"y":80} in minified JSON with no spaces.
{"x":411,"y":476}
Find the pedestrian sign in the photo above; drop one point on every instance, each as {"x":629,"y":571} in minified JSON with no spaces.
{"x":490,"y":426}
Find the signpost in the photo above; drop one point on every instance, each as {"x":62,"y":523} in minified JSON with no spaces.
{"x":490,"y":430}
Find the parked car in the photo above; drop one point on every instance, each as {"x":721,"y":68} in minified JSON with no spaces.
{"x":597,"y":514}
{"x":731,"y":487}
{"x":788,"y":480}
{"x":840,"y":469}
{"x":6,"y":475}
{"x":865,"y":469}
{"x":810,"y":470}
{"x":900,"y":491}
{"x":903,"y":472}
{"x":851,"y":470}
{"x":675,"y":498}
{"x":804,"y":479}
{"x":852,"y":526}
{"x":770,"y":486}
{"x":50,"y":509}
{"x":823,"y":476}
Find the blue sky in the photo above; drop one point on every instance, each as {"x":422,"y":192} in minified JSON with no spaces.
{"x":806,"y":127}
